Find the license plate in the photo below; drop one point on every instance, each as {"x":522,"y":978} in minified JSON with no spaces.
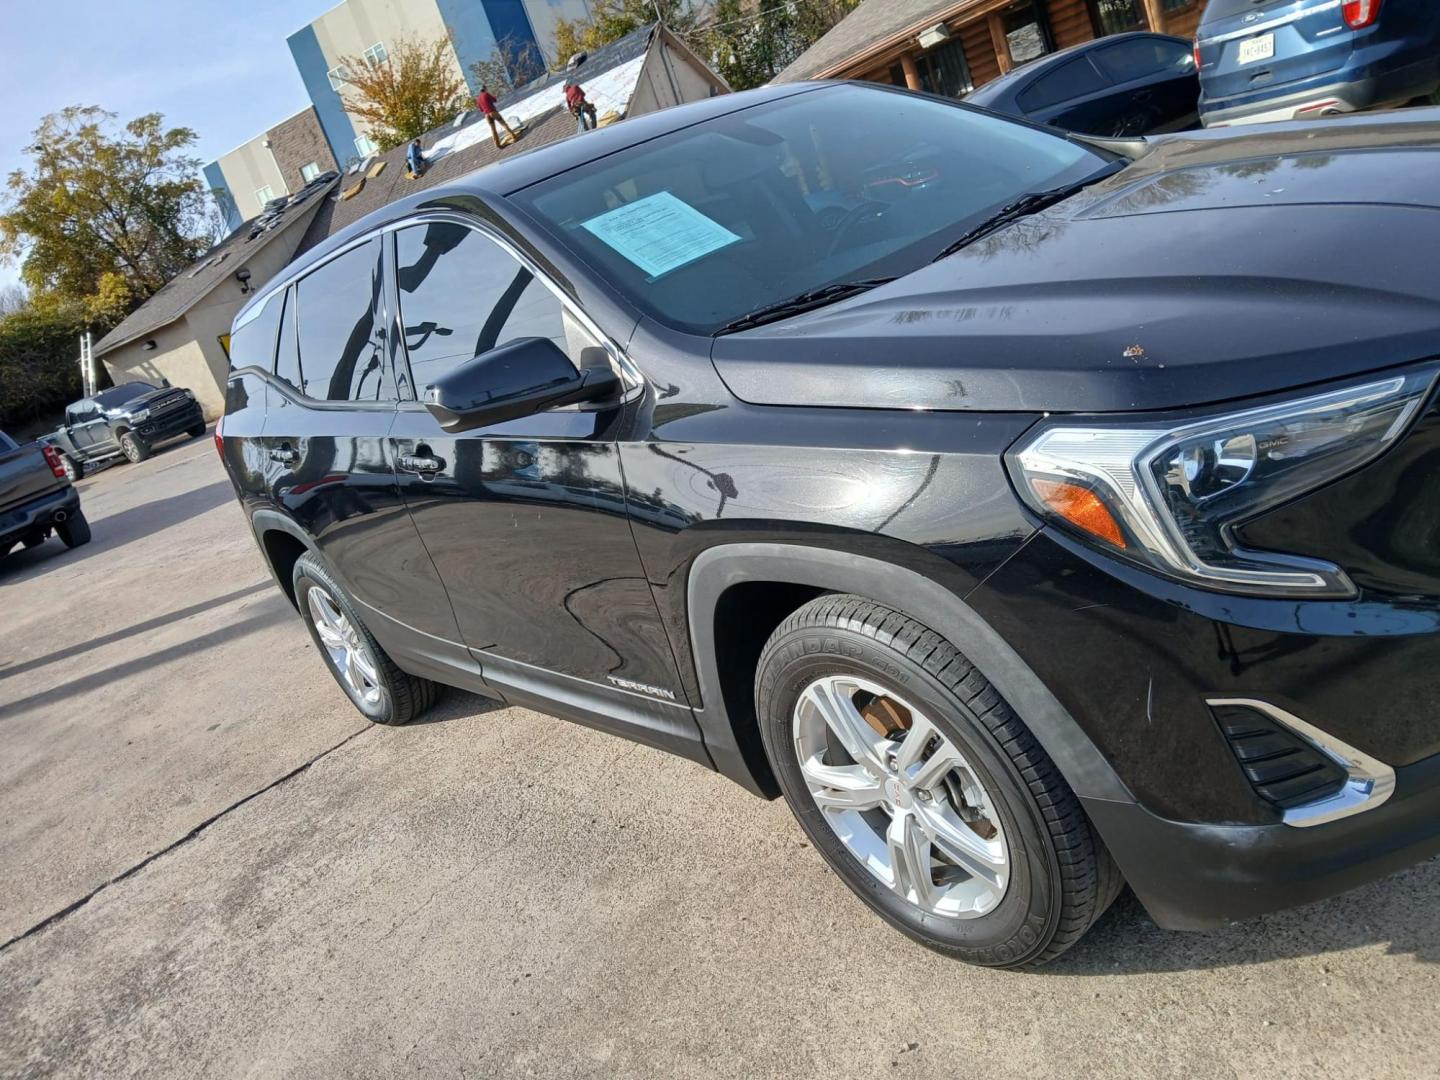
{"x":1257,"y":48}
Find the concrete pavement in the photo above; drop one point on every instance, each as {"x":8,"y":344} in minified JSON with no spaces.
{"x":213,"y":867}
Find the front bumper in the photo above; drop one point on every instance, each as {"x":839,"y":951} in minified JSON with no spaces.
{"x":42,"y":513}
{"x":172,"y":422}
{"x":1199,"y":877}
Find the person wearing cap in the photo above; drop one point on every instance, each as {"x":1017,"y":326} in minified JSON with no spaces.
{"x":581,"y":109}
{"x":490,"y":109}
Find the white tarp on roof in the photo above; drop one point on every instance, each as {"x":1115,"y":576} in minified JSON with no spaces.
{"x":610,"y":91}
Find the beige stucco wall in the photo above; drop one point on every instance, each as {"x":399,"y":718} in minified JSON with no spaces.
{"x":247,"y":168}
{"x":188,"y":351}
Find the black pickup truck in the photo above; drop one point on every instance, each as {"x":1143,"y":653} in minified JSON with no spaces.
{"x":36,"y":498}
{"x":126,"y":420}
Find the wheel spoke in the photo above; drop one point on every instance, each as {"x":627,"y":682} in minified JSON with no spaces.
{"x":909,"y":849}
{"x":841,"y":787}
{"x":353,"y":675}
{"x":329,"y":637}
{"x":361,"y":659}
{"x":959,"y":843}
{"x":860,"y":740}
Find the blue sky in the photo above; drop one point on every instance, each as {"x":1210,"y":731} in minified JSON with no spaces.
{"x":219,"y":68}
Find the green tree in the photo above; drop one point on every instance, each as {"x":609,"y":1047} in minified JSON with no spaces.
{"x":39,"y":362}
{"x":751,"y":41}
{"x":415,"y":89}
{"x":611,"y":20}
{"x":105,"y":214}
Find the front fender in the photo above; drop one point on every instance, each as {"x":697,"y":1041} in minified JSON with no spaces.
{"x":720,"y":568}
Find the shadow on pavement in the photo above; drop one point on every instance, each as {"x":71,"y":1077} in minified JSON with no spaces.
{"x":275,"y":609}
{"x":70,"y":651}
{"x":114,"y":531}
{"x":1398,"y":912}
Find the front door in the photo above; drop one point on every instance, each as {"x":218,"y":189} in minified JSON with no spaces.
{"x":329,"y":409}
{"x":526,"y":519}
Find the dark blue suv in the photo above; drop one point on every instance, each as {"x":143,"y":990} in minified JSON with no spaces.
{"x":1290,"y":59}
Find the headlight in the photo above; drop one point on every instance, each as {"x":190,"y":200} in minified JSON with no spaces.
{"x":141,"y":416}
{"x":1170,"y":498}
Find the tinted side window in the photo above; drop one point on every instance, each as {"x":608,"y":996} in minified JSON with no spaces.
{"x":1072,"y":80}
{"x":253,"y":343}
{"x":1141,"y":59}
{"x":287,"y":355}
{"x":462,"y":294}
{"x":340,"y":354}
{"x":6,"y":443}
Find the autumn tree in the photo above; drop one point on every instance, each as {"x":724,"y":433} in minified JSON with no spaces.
{"x":610,"y":20}
{"x":751,"y":41}
{"x":414,"y":89}
{"x":105,"y":214}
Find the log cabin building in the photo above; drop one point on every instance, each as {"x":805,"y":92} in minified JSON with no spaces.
{"x":952,"y":48}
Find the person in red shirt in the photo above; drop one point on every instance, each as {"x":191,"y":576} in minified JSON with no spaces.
{"x":581,"y":109}
{"x":490,"y":109}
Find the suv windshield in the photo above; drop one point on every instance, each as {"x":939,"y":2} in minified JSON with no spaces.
{"x":118,"y":395}
{"x":707,"y":224}
{"x":1226,"y":9}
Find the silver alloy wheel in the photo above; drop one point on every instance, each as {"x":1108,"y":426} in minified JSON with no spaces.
{"x":906,"y":804}
{"x":130,"y":447}
{"x":348,"y":652}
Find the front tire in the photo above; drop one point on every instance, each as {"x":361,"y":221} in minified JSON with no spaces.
{"x":196,"y":431}
{"x":135,"y":448}
{"x":370,"y":679}
{"x":923,"y":790}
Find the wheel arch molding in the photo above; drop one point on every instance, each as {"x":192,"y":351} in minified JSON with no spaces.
{"x":720,"y":569}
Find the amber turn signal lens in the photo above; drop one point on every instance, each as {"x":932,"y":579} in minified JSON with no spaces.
{"x":1081,"y":507}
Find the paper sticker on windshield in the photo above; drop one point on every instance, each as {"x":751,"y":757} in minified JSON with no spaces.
{"x":660,"y":233}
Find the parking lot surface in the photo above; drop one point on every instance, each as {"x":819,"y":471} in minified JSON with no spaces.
{"x":213,"y":866}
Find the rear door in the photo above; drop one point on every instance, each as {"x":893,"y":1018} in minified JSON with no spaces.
{"x":1247,"y":46}
{"x":526,"y":519}
{"x":1155,"y":85}
{"x":329,"y":408}
{"x":1074,"y":96}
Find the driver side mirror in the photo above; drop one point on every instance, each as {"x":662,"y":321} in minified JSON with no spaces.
{"x":520,"y":378}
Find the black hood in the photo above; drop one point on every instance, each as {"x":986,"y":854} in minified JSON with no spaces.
{"x":1214,"y":267}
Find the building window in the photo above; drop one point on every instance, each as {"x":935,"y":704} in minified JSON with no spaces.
{"x":1169,"y":6}
{"x":376,"y":54}
{"x":309,"y":172}
{"x":338,"y":77}
{"x":942,"y":70}
{"x":1025,"y":32}
{"x":264,"y":194}
{"x":1117,"y":16}
{"x":365,"y":146}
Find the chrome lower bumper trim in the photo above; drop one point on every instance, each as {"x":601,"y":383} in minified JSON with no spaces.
{"x":1370,"y":782}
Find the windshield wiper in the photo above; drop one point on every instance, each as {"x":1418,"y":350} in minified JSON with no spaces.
{"x":1024,"y":206}
{"x":802,"y":302}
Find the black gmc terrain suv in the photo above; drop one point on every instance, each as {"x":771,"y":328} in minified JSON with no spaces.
{"x":1035,"y":515}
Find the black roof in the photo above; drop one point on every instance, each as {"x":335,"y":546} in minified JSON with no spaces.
{"x":1003,"y":89}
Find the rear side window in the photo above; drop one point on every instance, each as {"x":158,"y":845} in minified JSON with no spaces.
{"x":340,"y":350}
{"x":6,"y":443}
{"x":287,"y":355}
{"x":252,"y":343}
{"x":1142,"y":58}
{"x":1075,"y":79}
{"x":462,"y":294}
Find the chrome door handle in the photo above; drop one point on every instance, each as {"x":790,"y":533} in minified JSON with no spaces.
{"x":285,"y":455}
{"x":424,"y":464}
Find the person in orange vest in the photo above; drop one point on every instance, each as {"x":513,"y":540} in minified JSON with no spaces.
{"x":490,"y":109}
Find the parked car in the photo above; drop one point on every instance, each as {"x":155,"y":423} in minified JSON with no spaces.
{"x":1123,"y":85}
{"x":1291,"y":59}
{"x":1060,"y":521}
{"x":36,"y":498}
{"x":127,"y":420}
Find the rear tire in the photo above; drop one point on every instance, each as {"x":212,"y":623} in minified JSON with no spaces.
{"x":381,"y":691}
{"x":74,"y":530}
{"x":74,"y":470}
{"x":1027,"y":879}
{"x":135,"y":448}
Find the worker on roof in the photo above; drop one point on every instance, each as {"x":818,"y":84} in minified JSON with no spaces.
{"x":581,"y":109}
{"x":415,"y":160}
{"x":490,"y":109}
